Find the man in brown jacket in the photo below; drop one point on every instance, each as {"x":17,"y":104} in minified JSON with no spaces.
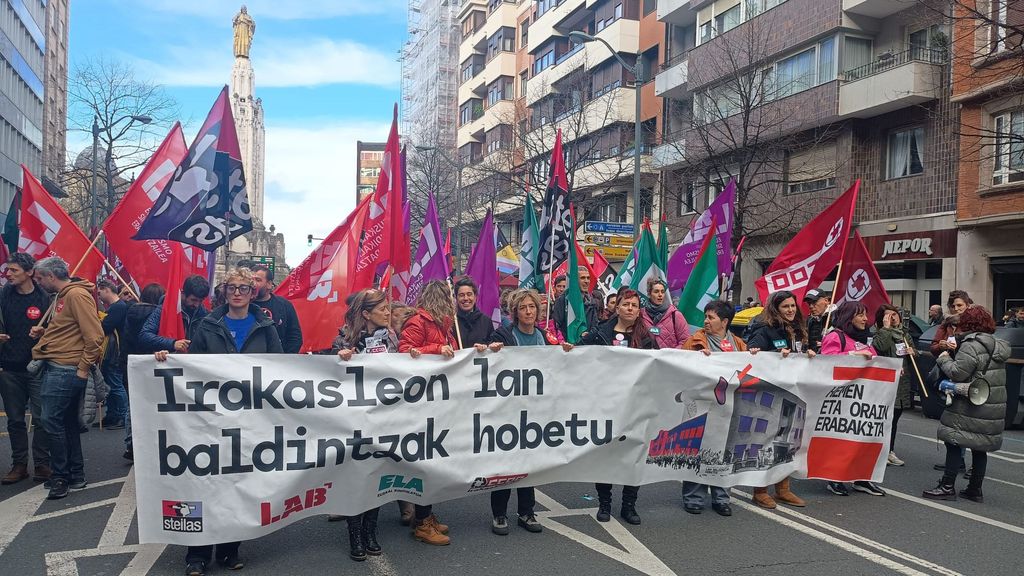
{"x":69,"y":347}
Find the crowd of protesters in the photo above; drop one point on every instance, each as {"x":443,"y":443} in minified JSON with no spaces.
{"x":63,"y":339}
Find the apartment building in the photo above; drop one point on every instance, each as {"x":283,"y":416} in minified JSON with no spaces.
{"x":987,"y":79}
{"x":522,"y":78}
{"x":22,"y":65}
{"x":796,"y":99}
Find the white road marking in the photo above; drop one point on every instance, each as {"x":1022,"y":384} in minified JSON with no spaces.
{"x":636,"y":555}
{"x":956,"y":512}
{"x":860,"y":539}
{"x":16,"y":511}
{"x":999,"y":454}
{"x":121,"y":518}
{"x":64,"y":563}
{"x":989,"y":478}
{"x":72,"y":510}
{"x":843,"y":544}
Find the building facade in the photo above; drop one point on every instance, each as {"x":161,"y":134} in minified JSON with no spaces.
{"x":23,"y":56}
{"x":987,"y":85}
{"x":369,"y":156}
{"x":798,"y":99}
{"x":55,"y":90}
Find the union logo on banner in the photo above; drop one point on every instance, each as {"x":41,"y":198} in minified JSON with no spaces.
{"x":859,"y":285}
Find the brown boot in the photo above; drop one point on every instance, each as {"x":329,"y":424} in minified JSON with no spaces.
{"x":18,"y":473}
{"x":785,"y":495}
{"x":442,"y":528}
{"x":427,"y":532}
{"x":763,"y":499}
{"x":42,"y":473}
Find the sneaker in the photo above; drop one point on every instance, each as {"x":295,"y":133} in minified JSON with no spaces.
{"x":78,"y":485}
{"x":58,"y":489}
{"x":894,"y":460}
{"x":940,"y":492}
{"x":197,"y":568}
{"x":530,"y":523}
{"x":231,"y":562}
{"x":868,"y":488}
{"x":838,"y":488}
{"x":428,"y":533}
{"x":499,"y":525}
{"x":114,"y":426}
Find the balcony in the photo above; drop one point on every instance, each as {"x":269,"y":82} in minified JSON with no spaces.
{"x":671,"y":82}
{"x":876,"y":8}
{"x":669,"y":155}
{"x":676,"y":12}
{"x":892,"y":82}
{"x":544,"y":27}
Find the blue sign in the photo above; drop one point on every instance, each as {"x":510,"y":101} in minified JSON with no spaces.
{"x":621,"y":228}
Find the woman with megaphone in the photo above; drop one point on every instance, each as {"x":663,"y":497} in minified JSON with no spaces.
{"x":973,"y":420}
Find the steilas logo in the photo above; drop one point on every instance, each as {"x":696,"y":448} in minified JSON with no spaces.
{"x":181,"y":516}
{"x":492,"y":482}
{"x":309,"y":499}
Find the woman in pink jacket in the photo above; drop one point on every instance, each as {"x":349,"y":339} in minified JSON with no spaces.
{"x":849,"y":335}
{"x":667,"y":324}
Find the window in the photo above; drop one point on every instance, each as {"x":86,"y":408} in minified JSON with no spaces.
{"x":1008,"y":164}
{"x":748,"y":396}
{"x":905,"y":156}
{"x":727,"y":20}
{"x":812,"y":169}
{"x":618,"y":11}
{"x":740,"y":451}
{"x":544,"y":61}
{"x":524,"y":33}
{"x":761,"y":425}
{"x":705,"y":32}
{"x":650,"y":6}
{"x":795,"y":74}
{"x":687,"y":201}
{"x":767,"y":398}
{"x":856,"y":52}
{"x":545,"y":5}
{"x":745,"y":423}
{"x":523,"y":77}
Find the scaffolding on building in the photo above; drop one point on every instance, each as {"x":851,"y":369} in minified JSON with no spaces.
{"x":429,"y":74}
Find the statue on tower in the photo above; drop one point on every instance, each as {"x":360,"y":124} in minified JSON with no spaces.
{"x":245,"y":27}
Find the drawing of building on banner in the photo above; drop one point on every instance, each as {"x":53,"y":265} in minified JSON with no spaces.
{"x":756,"y":427}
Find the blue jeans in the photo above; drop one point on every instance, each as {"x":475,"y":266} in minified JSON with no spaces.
{"x":20,"y":391}
{"x":117,"y":398}
{"x":62,"y":391}
{"x":694,"y":494}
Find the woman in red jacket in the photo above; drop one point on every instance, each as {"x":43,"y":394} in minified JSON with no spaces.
{"x":429,"y":331}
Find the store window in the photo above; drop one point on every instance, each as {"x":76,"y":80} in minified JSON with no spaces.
{"x":905,"y":155}
{"x":1008,"y":161}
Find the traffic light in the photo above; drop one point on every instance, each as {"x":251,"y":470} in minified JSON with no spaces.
{"x":309,"y":240}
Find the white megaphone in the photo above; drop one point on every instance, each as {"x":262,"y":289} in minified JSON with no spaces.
{"x":976,"y":392}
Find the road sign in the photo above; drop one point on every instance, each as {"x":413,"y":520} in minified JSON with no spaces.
{"x":610,"y":253}
{"x":268,"y":261}
{"x":608,"y":240}
{"x":619,"y":228}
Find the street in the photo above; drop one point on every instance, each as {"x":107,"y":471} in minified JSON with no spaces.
{"x":93,"y":532}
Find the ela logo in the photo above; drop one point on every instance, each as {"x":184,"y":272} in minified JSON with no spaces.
{"x":390,"y":483}
{"x":180,"y":516}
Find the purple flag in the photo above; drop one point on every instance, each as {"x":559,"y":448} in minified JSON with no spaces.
{"x":483,"y":267}
{"x":430,"y":263}
{"x":686,"y":254}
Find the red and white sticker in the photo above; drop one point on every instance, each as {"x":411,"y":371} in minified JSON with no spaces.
{"x":60,"y":306}
{"x":33,"y":313}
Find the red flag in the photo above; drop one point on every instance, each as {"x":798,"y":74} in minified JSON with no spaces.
{"x":448,"y":250}
{"x":581,"y":257}
{"x":171,"y":324}
{"x":47,"y":230}
{"x":318,"y":287}
{"x":859,"y":281}
{"x":600,"y":265}
{"x":147,"y":260}
{"x":382,"y":233}
{"x":813,"y":253}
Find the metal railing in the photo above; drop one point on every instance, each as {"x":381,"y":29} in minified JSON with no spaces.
{"x":674,"y":59}
{"x":889,"y":60}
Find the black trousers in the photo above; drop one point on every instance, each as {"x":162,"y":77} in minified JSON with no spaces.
{"x":423,"y":511}
{"x":205,"y":553}
{"x":979,"y":463}
{"x":629,"y":493}
{"x":525,"y":501}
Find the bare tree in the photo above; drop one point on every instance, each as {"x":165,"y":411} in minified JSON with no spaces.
{"x":131,"y":116}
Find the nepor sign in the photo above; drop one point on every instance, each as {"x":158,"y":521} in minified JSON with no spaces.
{"x":911,"y":245}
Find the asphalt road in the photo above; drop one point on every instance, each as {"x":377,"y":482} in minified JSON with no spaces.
{"x":93,"y":532}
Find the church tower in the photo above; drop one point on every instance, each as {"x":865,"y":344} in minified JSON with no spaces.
{"x":248,"y":112}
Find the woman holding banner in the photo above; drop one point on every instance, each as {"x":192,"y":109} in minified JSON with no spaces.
{"x":429,"y":331}
{"x":667,"y":324}
{"x":849,"y":335}
{"x":237,"y":327}
{"x":524,"y":308}
{"x":366,"y":331}
{"x":626,"y":329}
{"x":780,"y":328}
{"x":713,"y":337}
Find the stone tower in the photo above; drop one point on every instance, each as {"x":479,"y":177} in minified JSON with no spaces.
{"x":248,"y":112}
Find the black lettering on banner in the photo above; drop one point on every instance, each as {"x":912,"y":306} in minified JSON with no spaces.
{"x":171,"y":404}
{"x":529,"y":434}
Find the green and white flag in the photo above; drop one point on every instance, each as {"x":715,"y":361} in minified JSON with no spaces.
{"x":576,"y":315}
{"x":528,"y":273}
{"x":703,"y":285}
{"x":646,"y":264}
{"x":625,"y":271}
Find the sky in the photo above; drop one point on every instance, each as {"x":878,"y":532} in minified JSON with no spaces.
{"x":327,"y":71}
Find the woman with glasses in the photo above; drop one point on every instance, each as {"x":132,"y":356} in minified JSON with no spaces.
{"x":237,"y":327}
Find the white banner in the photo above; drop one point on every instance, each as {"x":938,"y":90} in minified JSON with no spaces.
{"x":234,"y":447}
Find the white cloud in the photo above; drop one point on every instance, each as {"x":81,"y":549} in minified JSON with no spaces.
{"x":277,"y":10}
{"x":310,"y":178}
{"x":277,"y":63}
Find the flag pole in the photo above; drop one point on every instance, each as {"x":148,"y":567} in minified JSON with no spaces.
{"x":92,"y":245}
{"x":832,"y":306}
{"x":910,"y":350}
{"x":455,"y":316}
{"x":120,"y":278}
{"x":551,"y":265}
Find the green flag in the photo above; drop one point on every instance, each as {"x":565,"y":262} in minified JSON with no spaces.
{"x":662,"y":252}
{"x":646,"y":263}
{"x":625,"y":271}
{"x":576,"y":317}
{"x":528,"y":273}
{"x":703,"y":284}
{"x":10,"y":225}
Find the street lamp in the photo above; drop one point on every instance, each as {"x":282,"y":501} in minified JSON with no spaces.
{"x":458,"y":197}
{"x":637,"y":72}
{"x":141,"y":118}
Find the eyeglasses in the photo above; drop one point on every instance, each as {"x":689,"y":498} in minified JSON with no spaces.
{"x":243,"y":290}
